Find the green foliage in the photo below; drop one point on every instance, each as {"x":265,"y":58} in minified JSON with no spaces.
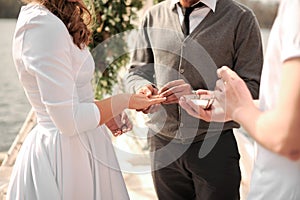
{"x":157,"y":1}
{"x":110,"y":17}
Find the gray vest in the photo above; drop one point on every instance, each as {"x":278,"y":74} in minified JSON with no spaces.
{"x":229,"y":36}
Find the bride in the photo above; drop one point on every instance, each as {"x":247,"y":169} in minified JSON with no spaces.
{"x":69,"y":154}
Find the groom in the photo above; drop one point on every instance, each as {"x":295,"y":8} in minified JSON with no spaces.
{"x":177,"y":51}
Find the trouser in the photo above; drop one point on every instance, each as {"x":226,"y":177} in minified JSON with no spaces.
{"x":180,"y":174}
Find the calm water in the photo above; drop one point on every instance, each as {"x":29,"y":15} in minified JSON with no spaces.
{"x":13,"y":103}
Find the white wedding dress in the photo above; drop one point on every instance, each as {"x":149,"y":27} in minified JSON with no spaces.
{"x":66,"y":156}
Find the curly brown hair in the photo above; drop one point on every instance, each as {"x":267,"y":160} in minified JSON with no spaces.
{"x":74,"y":15}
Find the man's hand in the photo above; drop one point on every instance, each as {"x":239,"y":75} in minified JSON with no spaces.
{"x":214,"y":113}
{"x":148,"y":90}
{"x":120,"y":124}
{"x":174,"y":90}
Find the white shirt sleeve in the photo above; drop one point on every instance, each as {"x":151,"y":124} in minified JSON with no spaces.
{"x":289,"y":13}
{"x":46,"y":55}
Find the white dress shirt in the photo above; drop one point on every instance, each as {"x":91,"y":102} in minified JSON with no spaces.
{"x":198,"y":14}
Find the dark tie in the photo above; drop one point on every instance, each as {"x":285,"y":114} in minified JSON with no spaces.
{"x":186,"y":20}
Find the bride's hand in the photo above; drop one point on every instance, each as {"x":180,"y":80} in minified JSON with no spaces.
{"x":149,"y":90}
{"x":120,"y":124}
{"x":141,"y":102}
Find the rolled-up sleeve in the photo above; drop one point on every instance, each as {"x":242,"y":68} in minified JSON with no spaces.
{"x":290,"y":34}
{"x":46,"y":55}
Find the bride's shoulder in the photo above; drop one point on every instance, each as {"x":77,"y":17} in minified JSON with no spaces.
{"x":37,"y":16}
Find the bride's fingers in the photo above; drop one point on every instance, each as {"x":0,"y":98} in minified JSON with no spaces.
{"x":117,"y":132}
{"x":127,"y":125}
{"x":157,"y":100}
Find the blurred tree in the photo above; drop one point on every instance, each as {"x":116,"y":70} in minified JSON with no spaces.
{"x":157,"y":1}
{"x":111,"y":17}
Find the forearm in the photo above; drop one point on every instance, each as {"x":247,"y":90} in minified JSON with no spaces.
{"x":112,"y":106}
{"x":275,"y":130}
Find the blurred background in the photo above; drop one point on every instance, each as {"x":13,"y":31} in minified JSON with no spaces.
{"x":13,"y":103}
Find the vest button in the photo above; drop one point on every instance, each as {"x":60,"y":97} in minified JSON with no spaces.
{"x":181,"y":71}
